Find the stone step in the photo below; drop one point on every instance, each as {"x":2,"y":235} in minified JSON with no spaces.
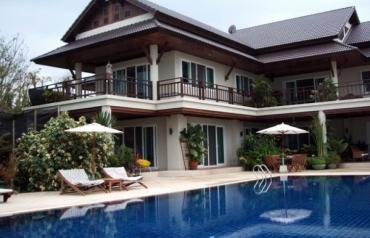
{"x":200,"y":171}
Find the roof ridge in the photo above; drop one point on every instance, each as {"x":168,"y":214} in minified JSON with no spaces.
{"x":294,"y":18}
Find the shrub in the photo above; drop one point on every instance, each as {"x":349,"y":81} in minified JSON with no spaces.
{"x":41,"y":154}
{"x":262,"y":93}
{"x":255,"y":148}
{"x":316,"y":161}
{"x":124,"y":157}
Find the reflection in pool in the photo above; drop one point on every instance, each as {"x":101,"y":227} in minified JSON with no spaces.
{"x":299,"y":207}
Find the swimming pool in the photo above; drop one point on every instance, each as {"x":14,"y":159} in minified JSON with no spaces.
{"x":298,"y":207}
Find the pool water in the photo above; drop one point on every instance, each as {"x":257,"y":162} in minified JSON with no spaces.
{"x":298,"y":207}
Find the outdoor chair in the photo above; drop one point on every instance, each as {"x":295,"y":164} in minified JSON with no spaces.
{"x":357,"y":153}
{"x":76,"y":180}
{"x":121,"y":205}
{"x":7,"y":193}
{"x":298,"y":163}
{"x":120,"y":173}
{"x":273,"y":162}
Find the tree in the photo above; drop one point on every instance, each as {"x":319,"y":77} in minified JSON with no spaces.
{"x":14,"y":75}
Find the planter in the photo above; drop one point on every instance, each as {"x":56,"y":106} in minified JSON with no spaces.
{"x":332,"y":166}
{"x":319,"y":166}
{"x":36,"y":96}
{"x":193,"y":165}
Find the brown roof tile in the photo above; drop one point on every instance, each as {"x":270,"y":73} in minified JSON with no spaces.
{"x":359,"y":34}
{"x":311,"y":27}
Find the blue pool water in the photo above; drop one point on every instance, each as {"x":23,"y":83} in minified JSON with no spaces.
{"x":299,"y":207}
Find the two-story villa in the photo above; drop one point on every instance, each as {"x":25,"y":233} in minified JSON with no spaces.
{"x":156,"y":70}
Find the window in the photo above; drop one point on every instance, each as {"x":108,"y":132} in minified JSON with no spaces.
{"x":198,"y":72}
{"x":366,"y":81}
{"x":299,"y":91}
{"x":132,"y":81}
{"x":243,"y":84}
{"x":214,"y":143}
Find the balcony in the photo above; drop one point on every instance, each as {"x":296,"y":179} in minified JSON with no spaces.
{"x":182,"y":87}
{"x":90,"y":87}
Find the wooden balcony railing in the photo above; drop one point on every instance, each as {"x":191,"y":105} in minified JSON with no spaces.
{"x":89,"y":87}
{"x":202,"y":90}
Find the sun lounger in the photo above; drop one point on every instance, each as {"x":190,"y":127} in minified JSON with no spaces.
{"x":7,"y":193}
{"x":74,"y":212}
{"x":76,"y":180}
{"x":120,"y":173}
{"x":121,"y":206}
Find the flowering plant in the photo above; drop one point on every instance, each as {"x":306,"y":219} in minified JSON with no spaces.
{"x":40,"y":154}
{"x":143,"y":163}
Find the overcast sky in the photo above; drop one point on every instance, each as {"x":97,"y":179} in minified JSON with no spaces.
{"x":42,"y":23}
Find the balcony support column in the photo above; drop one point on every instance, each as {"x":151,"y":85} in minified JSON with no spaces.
{"x":78,"y":74}
{"x":322,"y":119}
{"x":334,"y":75}
{"x":154,"y":69}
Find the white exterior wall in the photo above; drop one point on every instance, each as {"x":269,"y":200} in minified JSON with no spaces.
{"x":352,"y":75}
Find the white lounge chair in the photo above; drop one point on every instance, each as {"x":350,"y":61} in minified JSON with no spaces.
{"x":120,"y":173}
{"x":122,"y":205}
{"x":78,"y":211}
{"x":78,"y":181}
{"x":7,"y":193}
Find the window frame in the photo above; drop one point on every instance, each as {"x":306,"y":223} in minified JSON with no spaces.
{"x":190,"y":72}
{"x":242,"y":77}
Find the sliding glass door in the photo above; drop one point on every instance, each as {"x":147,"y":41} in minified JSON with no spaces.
{"x":143,"y":141}
{"x":215,"y":145}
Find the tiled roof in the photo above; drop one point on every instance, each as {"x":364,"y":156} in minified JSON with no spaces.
{"x":304,"y":52}
{"x":135,"y":28}
{"x":123,"y":31}
{"x":359,"y":34}
{"x":311,"y":27}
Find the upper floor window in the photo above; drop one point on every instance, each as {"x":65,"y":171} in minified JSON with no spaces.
{"x":366,"y":80}
{"x":198,"y":72}
{"x":243,"y":84}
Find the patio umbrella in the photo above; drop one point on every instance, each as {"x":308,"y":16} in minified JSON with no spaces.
{"x":94,"y":128}
{"x":282,"y":129}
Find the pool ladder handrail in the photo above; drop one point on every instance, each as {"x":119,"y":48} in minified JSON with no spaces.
{"x":264,"y":179}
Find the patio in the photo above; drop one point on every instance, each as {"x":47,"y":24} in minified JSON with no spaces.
{"x":158,"y":183}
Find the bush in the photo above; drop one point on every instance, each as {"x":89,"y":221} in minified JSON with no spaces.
{"x":194,"y":137}
{"x":316,"y":161}
{"x":255,"y":148}
{"x":41,"y":154}
{"x":124,"y":157}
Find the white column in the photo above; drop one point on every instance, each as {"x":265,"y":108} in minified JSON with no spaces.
{"x":322,"y":119}
{"x":78,"y":74}
{"x":154,"y":69}
{"x":334,"y":74}
{"x":174,"y":125}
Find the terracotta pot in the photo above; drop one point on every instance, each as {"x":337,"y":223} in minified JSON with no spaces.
{"x":193,"y":165}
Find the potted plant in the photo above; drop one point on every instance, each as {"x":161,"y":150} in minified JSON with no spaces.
{"x":336,"y":148}
{"x":52,"y":96}
{"x":317,"y":163}
{"x":194,"y":138}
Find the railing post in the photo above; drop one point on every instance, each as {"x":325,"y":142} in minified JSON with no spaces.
{"x":231,"y":95}
{"x":200,"y":89}
{"x":216,"y":92}
{"x":182,"y":87}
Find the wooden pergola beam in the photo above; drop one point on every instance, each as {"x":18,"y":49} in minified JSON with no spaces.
{"x":229,"y":72}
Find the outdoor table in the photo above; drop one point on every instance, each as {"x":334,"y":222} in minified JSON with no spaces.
{"x":110,"y":182}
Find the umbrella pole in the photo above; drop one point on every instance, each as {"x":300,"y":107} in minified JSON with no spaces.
{"x":93,"y":166}
{"x":282,"y":149}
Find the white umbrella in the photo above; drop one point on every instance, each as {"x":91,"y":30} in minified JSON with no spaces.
{"x":94,"y":128}
{"x":282,"y":129}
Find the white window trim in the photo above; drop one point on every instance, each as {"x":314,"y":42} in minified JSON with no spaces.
{"x":250,"y":79}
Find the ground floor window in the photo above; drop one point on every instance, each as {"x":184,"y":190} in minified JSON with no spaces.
{"x":215,"y":145}
{"x":143,"y":141}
